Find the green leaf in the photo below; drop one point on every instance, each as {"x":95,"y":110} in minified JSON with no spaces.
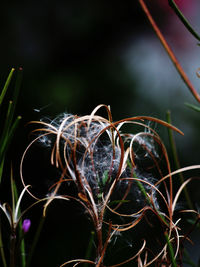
{"x":14,"y":201}
{"x":6,"y":127}
{"x":105,"y":177}
{"x":176,"y":159}
{"x":173,"y":5}
{"x":35,"y":241}
{"x":5,"y":88}
{"x":16,"y":92}
{"x":89,"y":248}
{"x":187,"y":259}
{"x":6,"y":141}
{"x":191,"y":221}
{"x":9,"y":127}
{"x":171,"y":251}
{"x":2,"y":253}
{"x":193,"y":107}
{"x":1,"y":167}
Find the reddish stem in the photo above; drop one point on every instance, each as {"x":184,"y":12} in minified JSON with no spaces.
{"x":170,"y":52}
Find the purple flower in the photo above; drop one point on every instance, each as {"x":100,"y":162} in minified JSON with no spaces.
{"x":26,"y":225}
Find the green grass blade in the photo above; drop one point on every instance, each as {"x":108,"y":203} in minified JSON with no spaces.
{"x":35,"y":240}
{"x":16,"y":93}
{"x":1,"y":167}
{"x":3,"y":259}
{"x":140,"y":185}
{"x":8,"y":138}
{"x":23,"y":254}
{"x":8,"y":130}
{"x":176,"y":160}
{"x":143,"y":191}
{"x":173,"y":5}
{"x":13,"y":192}
{"x":5,"y":139}
{"x":11,"y":108}
{"x":187,"y":259}
{"x":171,"y":251}
{"x":194,"y":107}
{"x":14,"y":200}
{"x":22,"y":247}
{"x":89,"y":248}
{"x":5,"y":129}
{"x":5,"y":88}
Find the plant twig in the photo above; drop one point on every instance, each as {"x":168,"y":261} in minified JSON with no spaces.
{"x":170,"y":52}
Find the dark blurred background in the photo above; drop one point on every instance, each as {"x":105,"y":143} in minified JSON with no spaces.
{"x":78,"y":54}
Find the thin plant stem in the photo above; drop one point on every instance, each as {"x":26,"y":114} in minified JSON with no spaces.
{"x":1,"y":167}
{"x":188,"y":260}
{"x":14,"y":200}
{"x":140,"y":185}
{"x":16,"y":93}
{"x":173,"y":5}
{"x":193,"y":107}
{"x":22,"y":248}
{"x":170,"y":52}
{"x":5,"y":88}
{"x":13,"y":228}
{"x":11,"y":109}
{"x":21,"y":245}
{"x":9,"y":136}
{"x":171,"y":251}
{"x":142,"y":189}
{"x":2,"y":250}
{"x":89,"y":248}
{"x":35,"y":240}
{"x":176,"y":160}
{"x":12,"y":247}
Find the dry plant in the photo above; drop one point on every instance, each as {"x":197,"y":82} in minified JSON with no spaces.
{"x":106,"y":165}
{"x":123,"y":179}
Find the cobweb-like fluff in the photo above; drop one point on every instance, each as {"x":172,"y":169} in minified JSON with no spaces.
{"x":90,"y":151}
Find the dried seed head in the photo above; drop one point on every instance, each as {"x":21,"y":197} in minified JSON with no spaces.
{"x":89,"y":147}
